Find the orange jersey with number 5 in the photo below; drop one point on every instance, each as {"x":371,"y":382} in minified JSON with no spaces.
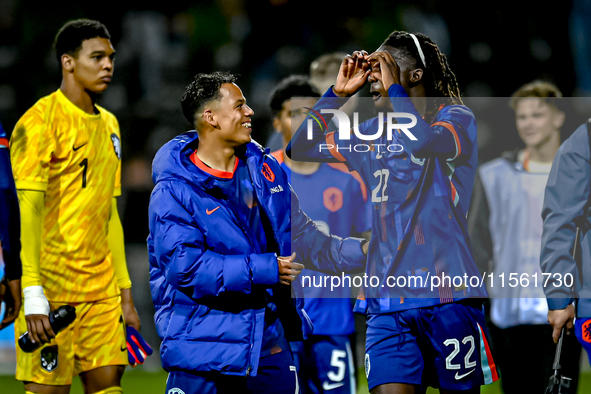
{"x":75,"y":159}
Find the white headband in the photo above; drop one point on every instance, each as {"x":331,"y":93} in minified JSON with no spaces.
{"x":416,"y":40}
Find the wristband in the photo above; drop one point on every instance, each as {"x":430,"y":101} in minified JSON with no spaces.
{"x":35,"y":301}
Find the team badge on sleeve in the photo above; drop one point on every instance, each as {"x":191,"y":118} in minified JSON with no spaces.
{"x":116,"y":145}
{"x":268,"y":173}
{"x":49,"y":358}
{"x":333,"y":199}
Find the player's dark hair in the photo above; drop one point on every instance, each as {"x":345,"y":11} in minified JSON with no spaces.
{"x":203,"y":89}
{"x":292,"y":86}
{"x":546,"y":91}
{"x":439,"y":81}
{"x":69,"y":38}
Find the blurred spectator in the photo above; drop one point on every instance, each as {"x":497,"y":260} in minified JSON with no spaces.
{"x":337,"y":202}
{"x":323,"y":73}
{"x":506,"y":230}
{"x":324,"y":70}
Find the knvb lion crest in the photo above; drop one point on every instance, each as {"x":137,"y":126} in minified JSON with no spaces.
{"x":268,"y":173}
{"x":49,"y":358}
{"x":586,"y":328}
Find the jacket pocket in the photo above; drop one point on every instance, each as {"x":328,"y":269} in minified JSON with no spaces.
{"x":184,"y":319}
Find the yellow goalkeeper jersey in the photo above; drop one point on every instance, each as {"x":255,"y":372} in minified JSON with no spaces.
{"x":75,"y":159}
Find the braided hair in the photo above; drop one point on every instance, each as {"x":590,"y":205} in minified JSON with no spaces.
{"x":439,"y":81}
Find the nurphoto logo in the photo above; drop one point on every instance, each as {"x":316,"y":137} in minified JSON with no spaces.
{"x":344,"y":130}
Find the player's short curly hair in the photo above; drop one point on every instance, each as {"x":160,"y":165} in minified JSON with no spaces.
{"x":70,"y":37}
{"x":203,"y":89}
{"x":292,"y":86}
{"x":545,"y":91}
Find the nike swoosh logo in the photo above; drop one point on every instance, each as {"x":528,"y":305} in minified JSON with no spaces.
{"x":123,"y":348}
{"x":75,"y":149}
{"x":458,"y":377}
{"x":212,"y":211}
{"x":329,"y":386}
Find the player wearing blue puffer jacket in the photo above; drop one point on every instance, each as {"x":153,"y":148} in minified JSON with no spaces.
{"x":221,"y":213}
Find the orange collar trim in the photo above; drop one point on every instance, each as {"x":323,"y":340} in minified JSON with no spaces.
{"x":212,"y":171}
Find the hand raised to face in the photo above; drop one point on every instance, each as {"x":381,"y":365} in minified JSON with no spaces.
{"x":352,"y":74}
{"x":384,"y":68}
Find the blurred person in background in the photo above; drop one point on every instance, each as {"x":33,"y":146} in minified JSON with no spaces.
{"x":505,"y":226}
{"x":337,"y":203}
{"x":323,"y":73}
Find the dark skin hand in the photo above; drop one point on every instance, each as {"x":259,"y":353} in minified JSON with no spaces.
{"x":10,"y":293}
{"x":352,"y":74}
{"x":39,"y":328}
{"x":130,"y":315}
{"x":355,"y":70}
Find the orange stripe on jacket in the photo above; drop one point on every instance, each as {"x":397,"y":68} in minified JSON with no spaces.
{"x":451,"y":128}
{"x":333,"y":151}
{"x":212,"y":171}
{"x":278,"y":154}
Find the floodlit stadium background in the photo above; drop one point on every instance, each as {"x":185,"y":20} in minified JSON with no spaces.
{"x":492,"y":51}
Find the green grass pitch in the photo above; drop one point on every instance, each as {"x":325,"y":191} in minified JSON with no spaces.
{"x":141,"y":382}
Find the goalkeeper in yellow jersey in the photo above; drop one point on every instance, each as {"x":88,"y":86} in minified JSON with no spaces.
{"x":66,"y":159}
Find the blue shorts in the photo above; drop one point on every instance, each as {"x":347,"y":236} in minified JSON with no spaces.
{"x":325,"y":363}
{"x":276,"y":374}
{"x":443,"y":346}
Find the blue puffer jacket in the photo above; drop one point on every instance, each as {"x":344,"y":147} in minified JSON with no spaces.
{"x":208,"y":281}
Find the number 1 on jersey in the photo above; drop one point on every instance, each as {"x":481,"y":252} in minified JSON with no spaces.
{"x":84,"y":164}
